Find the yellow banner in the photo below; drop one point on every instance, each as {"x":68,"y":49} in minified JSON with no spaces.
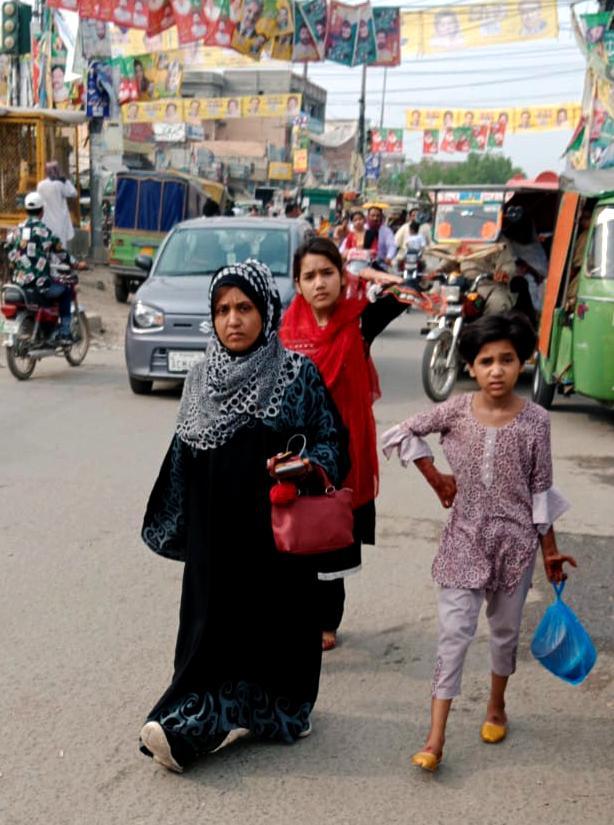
{"x":280,"y":171}
{"x":195,"y":110}
{"x":300,"y":161}
{"x":170,"y":111}
{"x":519,"y":119}
{"x":271,"y":105}
{"x":451,"y":28}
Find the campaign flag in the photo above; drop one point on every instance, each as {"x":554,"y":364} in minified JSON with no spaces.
{"x":462,"y":138}
{"x":430,"y":142}
{"x":192,"y":24}
{"x":496,"y":134}
{"x":309,"y":39}
{"x":282,"y":47}
{"x":365,"y":50}
{"x":342,"y":33}
{"x":160,"y":17}
{"x":448,"y":140}
{"x":479,"y":138}
{"x":595,"y":27}
{"x":373,"y":166}
{"x":387,"y":23}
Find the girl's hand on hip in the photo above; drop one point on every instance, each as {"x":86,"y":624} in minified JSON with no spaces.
{"x":553,"y":565}
{"x":445,"y":487}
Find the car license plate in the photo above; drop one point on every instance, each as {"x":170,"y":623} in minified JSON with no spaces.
{"x":183,"y":360}
{"x":8,"y":327}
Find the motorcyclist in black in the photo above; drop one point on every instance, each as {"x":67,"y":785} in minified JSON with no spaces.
{"x":30,"y":248}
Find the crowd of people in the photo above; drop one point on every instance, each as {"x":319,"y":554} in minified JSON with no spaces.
{"x":254,"y":621}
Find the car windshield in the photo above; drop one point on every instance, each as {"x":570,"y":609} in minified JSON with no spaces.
{"x":202,"y":251}
{"x":601,"y":254}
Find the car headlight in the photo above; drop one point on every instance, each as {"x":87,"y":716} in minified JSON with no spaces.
{"x":146,"y":317}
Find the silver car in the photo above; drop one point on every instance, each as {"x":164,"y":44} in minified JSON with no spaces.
{"x":170,"y":323}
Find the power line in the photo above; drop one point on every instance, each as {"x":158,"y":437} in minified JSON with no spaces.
{"x":497,"y":82}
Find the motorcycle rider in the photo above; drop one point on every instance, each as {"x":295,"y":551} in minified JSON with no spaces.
{"x":30,"y":248}
{"x":412,"y":241}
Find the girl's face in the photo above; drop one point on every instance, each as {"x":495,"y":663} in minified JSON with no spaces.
{"x":320,"y":282}
{"x":237,"y":321}
{"x":496,"y":369}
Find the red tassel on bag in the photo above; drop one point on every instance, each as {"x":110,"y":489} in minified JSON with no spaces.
{"x":283,"y":493}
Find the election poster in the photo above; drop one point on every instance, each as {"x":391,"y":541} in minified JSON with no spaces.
{"x":342,"y":33}
{"x":451,"y":28}
{"x":430,"y":142}
{"x":365,"y":50}
{"x":387,"y":24}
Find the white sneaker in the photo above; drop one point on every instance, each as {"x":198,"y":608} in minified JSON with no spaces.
{"x":307,"y":732}
{"x":154,"y":739}
{"x":233,"y":736}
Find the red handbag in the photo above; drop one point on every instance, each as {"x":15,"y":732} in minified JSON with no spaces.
{"x":312,"y":524}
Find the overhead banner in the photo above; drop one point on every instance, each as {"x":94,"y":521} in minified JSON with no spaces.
{"x":453,"y":28}
{"x":280,"y":171}
{"x":520,"y":119}
{"x":194,"y":110}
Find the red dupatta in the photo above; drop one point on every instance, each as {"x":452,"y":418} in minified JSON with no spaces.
{"x":340,"y":353}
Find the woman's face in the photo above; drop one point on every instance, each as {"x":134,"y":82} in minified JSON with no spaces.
{"x":358,"y":221}
{"x":320,"y":282}
{"x":237,"y":322}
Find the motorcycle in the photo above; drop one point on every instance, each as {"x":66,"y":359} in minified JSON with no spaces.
{"x":30,"y":328}
{"x":413,"y":265}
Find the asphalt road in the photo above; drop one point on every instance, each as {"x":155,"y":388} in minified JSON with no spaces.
{"x":89,"y":617}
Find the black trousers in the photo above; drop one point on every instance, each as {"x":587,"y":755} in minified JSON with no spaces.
{"x":331,"y":598}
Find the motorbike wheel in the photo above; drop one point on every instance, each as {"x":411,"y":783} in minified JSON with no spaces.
{"x":18,"y":361}
{"x":437,"y":379}
{"x":81,"y":334}
{"x":542,"y":391}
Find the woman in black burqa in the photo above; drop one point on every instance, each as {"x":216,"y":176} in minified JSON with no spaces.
{"x":248,"y":651}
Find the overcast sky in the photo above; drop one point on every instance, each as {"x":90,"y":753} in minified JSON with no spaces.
{"x":518,"y":74}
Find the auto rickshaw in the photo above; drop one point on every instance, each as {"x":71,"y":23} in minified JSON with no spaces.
{"x":576,"y":333}
{"x":481,"y":231}
{"x":29,"y":139}
{"x":147,"y":206}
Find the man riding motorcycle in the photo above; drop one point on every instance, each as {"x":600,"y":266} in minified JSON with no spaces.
{"x":30,"y":248}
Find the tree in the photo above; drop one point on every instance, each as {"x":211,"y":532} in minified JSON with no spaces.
{"x":477,"y":168}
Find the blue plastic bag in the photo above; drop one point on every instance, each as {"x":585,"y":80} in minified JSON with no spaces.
{"x":561,"y":644}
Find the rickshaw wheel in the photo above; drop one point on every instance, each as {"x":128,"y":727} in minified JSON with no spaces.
{"x":543,"y":392}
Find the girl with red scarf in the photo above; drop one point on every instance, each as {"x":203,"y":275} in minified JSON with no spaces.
{"x":331,"y":321}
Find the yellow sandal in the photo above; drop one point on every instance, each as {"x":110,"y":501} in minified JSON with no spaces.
{"x":426,"y":760}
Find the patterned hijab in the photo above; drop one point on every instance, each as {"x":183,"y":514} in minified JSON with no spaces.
{"x":225,"y":390}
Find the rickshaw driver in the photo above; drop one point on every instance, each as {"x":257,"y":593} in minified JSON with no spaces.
{"x":578,"y":258}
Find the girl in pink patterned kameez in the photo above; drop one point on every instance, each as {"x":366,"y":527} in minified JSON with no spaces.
{"x":503,"y":506}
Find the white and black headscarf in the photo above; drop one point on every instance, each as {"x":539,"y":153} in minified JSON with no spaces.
{"x":225,"y":390}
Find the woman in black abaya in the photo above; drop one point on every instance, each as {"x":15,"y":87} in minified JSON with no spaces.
{"x":248,"y":651}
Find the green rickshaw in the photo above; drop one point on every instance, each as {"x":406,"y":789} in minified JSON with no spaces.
{"x":576,"y":334}
{"x":147,"y":207}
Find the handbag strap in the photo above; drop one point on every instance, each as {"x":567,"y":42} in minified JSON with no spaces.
{"x":329,"y":487}
{"x":291,"y":439}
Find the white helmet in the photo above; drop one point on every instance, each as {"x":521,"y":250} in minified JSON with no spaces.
{"x":34,"y":202}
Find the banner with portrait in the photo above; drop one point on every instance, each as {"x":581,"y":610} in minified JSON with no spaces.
{"x":192,"y":25}
{"x":154,"y":111}
{"x":430,"y":141}
{"x":310,"y":26}
{"x":521,"y":119}
{"x":387,"y":23}
{"x":342,"y":33}
{"x":453,"y":28}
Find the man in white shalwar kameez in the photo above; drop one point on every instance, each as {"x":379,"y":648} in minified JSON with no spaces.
{"x":54,"y":190}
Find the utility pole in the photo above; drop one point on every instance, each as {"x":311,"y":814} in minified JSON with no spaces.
{"x":97,"y":249}
{"x":360,"y":149}
{"x":381,"y":114}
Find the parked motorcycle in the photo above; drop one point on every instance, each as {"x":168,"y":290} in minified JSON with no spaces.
{"x":30,"y":328}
